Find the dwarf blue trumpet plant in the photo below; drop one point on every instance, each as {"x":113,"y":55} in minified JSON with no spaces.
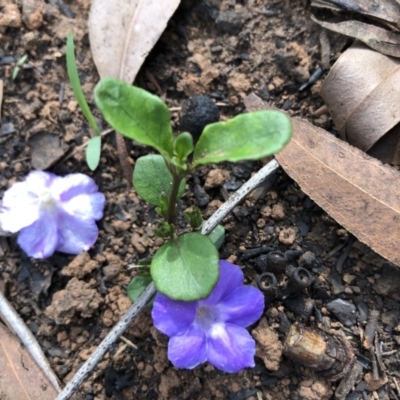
{"x":201,"y":302}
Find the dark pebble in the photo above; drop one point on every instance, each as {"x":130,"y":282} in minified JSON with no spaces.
{"x":344,"y":311}
{"x":196,"y":113}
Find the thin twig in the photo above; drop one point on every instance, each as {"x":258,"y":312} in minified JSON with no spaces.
{"x":239,"y":195}
{"x":370,"y":329}
{"x":74,"y":384}
{"x":25,"y":335}
{"x":91,"y":363}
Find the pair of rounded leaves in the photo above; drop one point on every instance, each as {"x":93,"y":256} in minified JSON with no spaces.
{"x":185,"y":268}
{"x":145,"y":118}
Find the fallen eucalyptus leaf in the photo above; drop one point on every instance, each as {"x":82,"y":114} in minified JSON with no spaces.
{"x":377,"y":38}
{"x":20,"y":377}
{"x":361,"y":92}
{"x":358,"y":191}
{"x":122,"y":33}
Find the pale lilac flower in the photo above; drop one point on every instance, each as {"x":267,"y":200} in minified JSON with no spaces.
{"x":53,"y":213}
{"x":212,"y":329}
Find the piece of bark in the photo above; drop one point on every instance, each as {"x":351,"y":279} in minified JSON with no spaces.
{"x":358,"y":191}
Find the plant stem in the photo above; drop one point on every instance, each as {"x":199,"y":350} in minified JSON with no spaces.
{"x":173,"y":198}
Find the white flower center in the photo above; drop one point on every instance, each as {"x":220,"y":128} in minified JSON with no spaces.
{"x":206,"y":317}
{"x":46,"y":200}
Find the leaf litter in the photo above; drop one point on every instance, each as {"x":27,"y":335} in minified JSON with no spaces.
{"x":358,"y":191}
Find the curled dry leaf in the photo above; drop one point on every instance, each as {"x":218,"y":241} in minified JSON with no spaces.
{"x":352,"y":17}
{"x":358,"y":191}
{"x":123,"y":32}
{"x":361,"y":92}
{"x":20,"y":377}
{"x":384,"y":11}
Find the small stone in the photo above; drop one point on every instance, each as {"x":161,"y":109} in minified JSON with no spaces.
{"x":239,"y":82}
{"x":344,"y":311}
{"x":10,"y":17}
{"x":269,"y":347}
{"x":287,"y":236}
{"x":215,"y":178}
{"x":110,"y":272}
{"x":231,"y":21}
{"x":278,"y":212}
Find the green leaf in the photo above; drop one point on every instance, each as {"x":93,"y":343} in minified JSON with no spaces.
{"x":217,"y":236}
{"x":76,"y":85}
{"x":194,"y":217}
{"x":135,"y":113}
{"x":93,"y":151}
{"x":186,"y":268}
{"x":151,"y":178}
{"x":137,"y":285}
{"x":246,"y":137}
{"x":183,"y":145}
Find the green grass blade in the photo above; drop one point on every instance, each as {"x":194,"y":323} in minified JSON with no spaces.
{"x":76,"y":85}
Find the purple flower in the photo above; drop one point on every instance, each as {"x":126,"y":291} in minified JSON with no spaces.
{"x":53,"y":213}
{"x":212,"y":329}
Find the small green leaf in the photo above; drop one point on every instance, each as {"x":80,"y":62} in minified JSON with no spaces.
{"x":165,"y":230}
{"x":183,"y":146}
{"x":137,"y":285}
{"x":93,"y":151}
{"x":135,"y":113}
{"x":194,"y":218}
{"x":151,"y":178}
{"x":246,"y":137}
{"x":186,"y":268}
{"x":217,"y":236}
{"x":76,"y":84}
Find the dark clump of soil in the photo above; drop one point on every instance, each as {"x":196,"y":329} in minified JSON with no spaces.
{"x":225,"y":50}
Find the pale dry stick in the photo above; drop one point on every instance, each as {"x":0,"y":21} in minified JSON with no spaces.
{"x":11,"y":317}
{"x":239,"y":195}
{"x":135,"y":309}
{"x":73,"y":385}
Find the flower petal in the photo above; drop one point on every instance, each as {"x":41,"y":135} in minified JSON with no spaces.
{"x":173,"y":317}
{"x":40,"y":239}
{"x":72,"y":185}
{"x":231,"y":348}
{"x":78,"y":195}
{"x":38,"y":181}
{"x":188,"y":350}
{"x":243,"y":307}
{"x":230,"y":278}
{"x":20,"y":208}
{"x":76,"y":234}
{"x":86,"y":206}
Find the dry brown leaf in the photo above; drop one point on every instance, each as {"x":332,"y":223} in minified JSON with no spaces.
{"x":377,"y":38}
{"x":20,"y":377}
{"x":123,"y":32}
{"x":361,"y":92}
{"x":358,"y":191}
{"x":385,"y":11}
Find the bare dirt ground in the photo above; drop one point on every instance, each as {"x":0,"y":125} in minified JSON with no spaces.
{"x":226,"y":50}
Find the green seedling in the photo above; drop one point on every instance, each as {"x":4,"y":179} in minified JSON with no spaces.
{"x":18,"y":66}
{"x":93,"y":148}
{"x":186,"y":266}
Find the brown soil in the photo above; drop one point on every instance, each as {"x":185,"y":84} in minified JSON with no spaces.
{"x":269,"y":47}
